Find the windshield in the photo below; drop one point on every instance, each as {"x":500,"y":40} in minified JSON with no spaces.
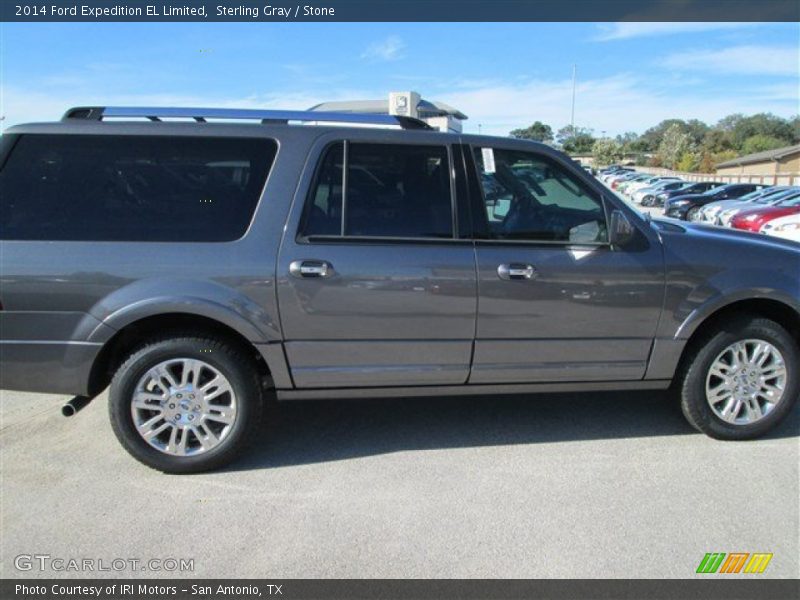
{"x":775,"y":196}
{"x":756,"y":194}
{"x":717,"y":190}
{"x":793,"y":200}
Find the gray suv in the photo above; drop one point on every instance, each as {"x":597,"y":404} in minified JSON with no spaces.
{"x":199,"y":264}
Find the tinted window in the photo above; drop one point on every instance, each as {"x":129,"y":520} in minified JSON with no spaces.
{"x":526,"y":197}
{"x":391,"y":190}
{"x":132,"y":188}
{"x":324,"y":209}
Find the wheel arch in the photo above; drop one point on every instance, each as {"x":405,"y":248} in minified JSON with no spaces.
{"x":136,"y":332}
{"x":769,"y":308}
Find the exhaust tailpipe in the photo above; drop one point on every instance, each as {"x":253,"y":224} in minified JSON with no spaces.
{"x":74,"y":405}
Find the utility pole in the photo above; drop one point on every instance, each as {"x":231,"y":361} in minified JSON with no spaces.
{"x":572,"y":119}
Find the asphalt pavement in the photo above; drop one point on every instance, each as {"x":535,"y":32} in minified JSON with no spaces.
{"x":586,"y":486}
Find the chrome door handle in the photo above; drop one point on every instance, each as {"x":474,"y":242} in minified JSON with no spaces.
{"x":516,"y":271}
{"x":310,"y":269}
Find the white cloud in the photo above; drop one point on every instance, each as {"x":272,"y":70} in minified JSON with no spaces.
{"x":613,"y":104}
{"x":632,"y":29}
{"x":743,"y":60}
{"x":389,"y":49}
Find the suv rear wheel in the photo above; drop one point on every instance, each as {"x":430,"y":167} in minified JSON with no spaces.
{"x":742,"y":380}
{"x":185,"y":404}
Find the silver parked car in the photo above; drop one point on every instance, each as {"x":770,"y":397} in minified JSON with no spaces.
{"x":726,"y":215}
{"x":710,"y":212}
{"x":197,"y":268}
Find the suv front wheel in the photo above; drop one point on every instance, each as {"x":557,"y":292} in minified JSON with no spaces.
{"x":185,"y":404}
{"x":742,"y":380}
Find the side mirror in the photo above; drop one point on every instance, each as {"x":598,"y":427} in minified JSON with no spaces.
{"x":621,"y":229}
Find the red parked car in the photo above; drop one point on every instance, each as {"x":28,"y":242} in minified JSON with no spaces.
{"x":753,"y":220}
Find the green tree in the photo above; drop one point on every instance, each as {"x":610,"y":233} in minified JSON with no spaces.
{"x":760,"y":143}
{"x":709,"y":160}
{"x":674,"y":144}
{"x":688,"y":162}
{"x":632,"y":143}
{"x":694,"y":128}
{"x":729,"y":123}
{"x":697,"y":129}
{"x":538,"y":132}
{"x":742,"y":128}
{"x":716,"y":140}
{"x":651,"y":139}
{"x":795,"y":124}
{"x":575,"y":140}
{"x":607,"y":151}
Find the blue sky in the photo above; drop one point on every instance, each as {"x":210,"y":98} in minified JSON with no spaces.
{"x":502,"y":75}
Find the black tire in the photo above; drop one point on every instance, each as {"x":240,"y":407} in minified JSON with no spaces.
{"x":240,"y":371}
{"x":692,"y":378}
{"x":690,"y":214}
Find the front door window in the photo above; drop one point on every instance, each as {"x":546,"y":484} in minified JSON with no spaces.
{"x":527,"y":197}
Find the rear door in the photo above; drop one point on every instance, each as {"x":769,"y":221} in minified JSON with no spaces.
{"x":375,"y":288}
{"x":556,"y":301}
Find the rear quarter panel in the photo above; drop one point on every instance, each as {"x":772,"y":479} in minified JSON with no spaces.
{"x":63,"y":300}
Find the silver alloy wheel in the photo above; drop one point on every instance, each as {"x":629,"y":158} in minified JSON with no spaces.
{"x":746,"y":381}
{"x":183,"y":407}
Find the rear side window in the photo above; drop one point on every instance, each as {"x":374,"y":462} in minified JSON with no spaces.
{"x":132,"y":188}
{"x":381,"y":190}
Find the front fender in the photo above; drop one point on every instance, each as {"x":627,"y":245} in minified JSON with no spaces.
{"x":726,"y":289}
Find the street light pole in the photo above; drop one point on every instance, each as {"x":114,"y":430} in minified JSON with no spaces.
{"x":572,"y":118}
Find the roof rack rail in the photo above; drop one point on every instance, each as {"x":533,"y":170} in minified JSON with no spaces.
{"x":98,"y":113}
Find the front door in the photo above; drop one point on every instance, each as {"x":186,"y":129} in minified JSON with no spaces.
{"x":374,"y":286}
{"x":556,"y":301}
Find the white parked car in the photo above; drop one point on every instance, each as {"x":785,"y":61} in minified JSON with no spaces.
{"x":635,"y":187}
{"x":787,"y":227}
{"x":726,"y":215}
{"x":711,"y":212}
{"x":654,"y":188}
{"x":606,"y":177}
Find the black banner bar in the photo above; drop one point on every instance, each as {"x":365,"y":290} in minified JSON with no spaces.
{"x":398,"y":10}
{"x":732,"y":588}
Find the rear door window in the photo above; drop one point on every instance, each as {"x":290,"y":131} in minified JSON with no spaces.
{"x":132,"y":188}
{"x":364,"y":190}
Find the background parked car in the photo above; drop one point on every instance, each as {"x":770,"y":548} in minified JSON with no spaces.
{"x":623,"y":185}
{"x":787,"y":227}
{"x":646,"y":196}
{"x":726,"y":216}
{"x":635,"y":187}
{"x":710,"y":212}
{"x":754,"y":220}
{"x":700,"y":187}
{"x":688,"y":207}
{"x":619,"y":178}
{"x":609,"y":172}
